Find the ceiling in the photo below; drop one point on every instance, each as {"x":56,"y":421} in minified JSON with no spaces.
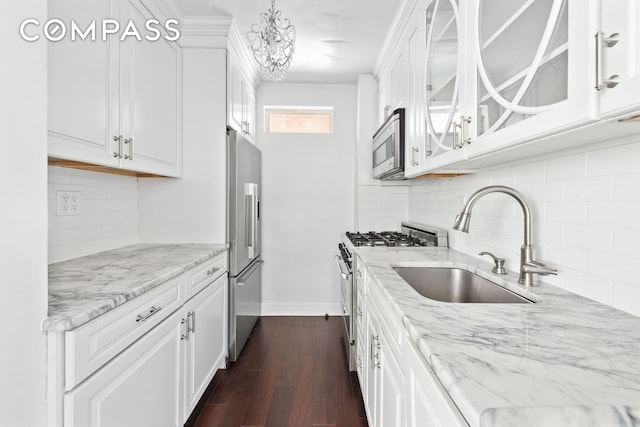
{"x":335,"y":39}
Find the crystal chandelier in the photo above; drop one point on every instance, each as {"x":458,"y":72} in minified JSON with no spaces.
{"x":272,"y":42}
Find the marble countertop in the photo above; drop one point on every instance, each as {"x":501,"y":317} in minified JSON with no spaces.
{"x":563,"y":361}
{"x":82,"y":289}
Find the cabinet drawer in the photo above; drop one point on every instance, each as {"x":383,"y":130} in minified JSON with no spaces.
{"x":92,"y":345}
{"x":202,"y":275}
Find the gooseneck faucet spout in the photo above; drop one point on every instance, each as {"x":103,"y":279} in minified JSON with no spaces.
{"x":528,"y":266}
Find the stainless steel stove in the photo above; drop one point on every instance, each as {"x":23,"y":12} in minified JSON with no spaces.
{"x":411,"y":234}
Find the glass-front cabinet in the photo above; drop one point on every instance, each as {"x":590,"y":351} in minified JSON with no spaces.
{"x":442,"y":83}
{"x":531,"y":76}
{"x":487,"y":76}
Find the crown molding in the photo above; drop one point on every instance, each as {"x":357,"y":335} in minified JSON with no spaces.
{"x":205,"y":31}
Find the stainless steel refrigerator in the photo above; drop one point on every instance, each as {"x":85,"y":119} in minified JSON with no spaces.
{"x":243,"y":233}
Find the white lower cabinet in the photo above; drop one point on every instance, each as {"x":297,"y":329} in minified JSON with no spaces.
{"x":140,"y":387}
{"x":206,"y":341}
{"x":398,"y":387}
{"x":159,"y":378}
{"x":428,"y":404}
{"x":385,"y":382}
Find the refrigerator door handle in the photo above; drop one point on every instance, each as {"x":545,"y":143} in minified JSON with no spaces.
{"x":251,"y":218}
{"x":240,"y":280}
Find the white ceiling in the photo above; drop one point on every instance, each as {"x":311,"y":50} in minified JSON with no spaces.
{"x":335,"y":39}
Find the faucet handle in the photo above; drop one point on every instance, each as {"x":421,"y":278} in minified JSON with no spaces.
{"x":498,"y":268}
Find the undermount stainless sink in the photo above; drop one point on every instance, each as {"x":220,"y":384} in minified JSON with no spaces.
{"x":456,"y":285}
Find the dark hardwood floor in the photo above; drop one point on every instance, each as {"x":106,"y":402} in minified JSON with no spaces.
{"x":291,"y":373}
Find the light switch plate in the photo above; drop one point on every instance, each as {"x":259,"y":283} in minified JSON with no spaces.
{"x":68,"y":203}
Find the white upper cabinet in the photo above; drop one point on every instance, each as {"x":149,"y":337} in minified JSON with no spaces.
{"x":528,"y":78}
{"x":392,"y":87}
{"x":619,"y":58}
{"x":83,"y":89}
{"x":151,"y":97}
{"x":486,"y":76}
{"x":241,"y":99}
{"x":442,"y":85}
{"x":115,"y":103}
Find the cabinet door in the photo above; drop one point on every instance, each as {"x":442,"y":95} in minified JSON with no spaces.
{"x":384,"y":99}
{"x":531,"y":74}
{"x":392,"y":389}
{"x":428,"y":403}
{"x":372,"y":368}
{"x":140,"y":387}
{"x":83,"y":87}
{"x":236,"y":88}
{"x":442,"y":85}
{"x":414,"y":128}
{"x":151,"y":72}
{"x":206,"y":341}
{"x":621,"y":59}
{"x":398,"y":80}
{"x":250,"y":112}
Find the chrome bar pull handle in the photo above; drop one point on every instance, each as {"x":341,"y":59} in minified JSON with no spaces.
{"x":118,"y":153}
{"x":414,"y":151}
{"x":185,"y":335}
{"x":153,"y":310}
{"x":602,"y":41}
{"x":463,"y":135}
{"x":129,"y":142}
{"x":191,"y":322}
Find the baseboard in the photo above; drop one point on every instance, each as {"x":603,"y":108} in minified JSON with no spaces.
{"x":301,"y":309}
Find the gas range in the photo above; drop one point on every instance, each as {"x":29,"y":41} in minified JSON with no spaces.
{"x":411,"y":234}
{"x":385,"y":238}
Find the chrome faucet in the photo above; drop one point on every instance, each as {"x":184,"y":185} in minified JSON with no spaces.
{"x":528,"y":266}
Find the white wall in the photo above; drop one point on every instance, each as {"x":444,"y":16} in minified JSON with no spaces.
{"x":307,"y":200}
{"x":381,"y":205}
{"x":193,"y":209}
{"x":586,"y":212}
{"x":108,"y":218}
{"x":23,"y":219}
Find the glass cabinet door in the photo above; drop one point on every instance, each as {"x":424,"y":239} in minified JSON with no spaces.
{"x":442,"y":82}
{"x":521,"y":49}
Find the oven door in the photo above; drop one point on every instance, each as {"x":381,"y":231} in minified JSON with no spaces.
{"x":346,"y":285}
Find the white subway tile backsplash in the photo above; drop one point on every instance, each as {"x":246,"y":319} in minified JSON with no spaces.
{"x":566,"y":212}
{"x":627,"y":187}
{"x":109,"y":213}
{"x":589,"y":189}
{"x":626,"y":297}
{"x":613,"y":161}
{"x":566,"y":167}
{"x":613,"y":214}
{"x":625,"y":242}
{"x":586,"y":237}
{"x":593,"y":287}
{"x":586,"y":218}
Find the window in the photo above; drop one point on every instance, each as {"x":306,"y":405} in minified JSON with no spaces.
{"x":281,"y":119}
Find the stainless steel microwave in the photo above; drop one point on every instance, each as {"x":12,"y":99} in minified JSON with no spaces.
{"x":388,"y":147}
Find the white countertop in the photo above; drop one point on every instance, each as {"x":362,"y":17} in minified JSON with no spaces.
{"x":84,"y":288}
{"x":563,"y":361}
